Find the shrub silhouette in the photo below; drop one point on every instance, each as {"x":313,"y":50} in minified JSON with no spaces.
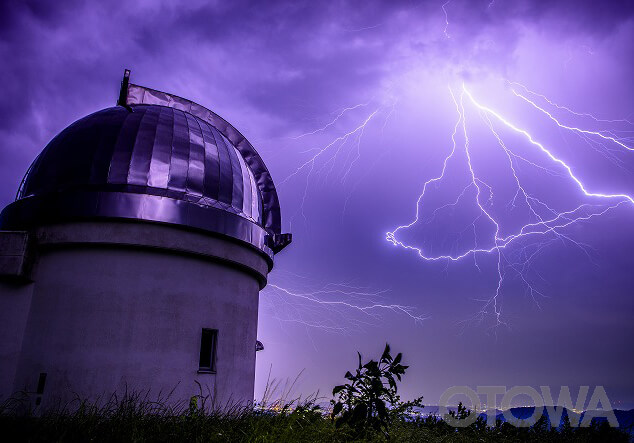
{"x":370,"y":401}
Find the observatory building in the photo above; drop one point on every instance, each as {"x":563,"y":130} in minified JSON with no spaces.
{"x":133,"y":256}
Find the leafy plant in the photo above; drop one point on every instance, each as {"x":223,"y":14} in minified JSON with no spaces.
{"x":461,"y":414}
{"x":370,"y":401}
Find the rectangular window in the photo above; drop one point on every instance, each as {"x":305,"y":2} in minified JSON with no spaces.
{"x":41,"y":382}
{"x":208,"y":344}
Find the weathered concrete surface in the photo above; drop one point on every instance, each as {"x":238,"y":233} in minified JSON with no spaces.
{"x":15,"y":302}
{"x":155,"y":235}
{"x":13,"y":254}
{"x":121,"y":306}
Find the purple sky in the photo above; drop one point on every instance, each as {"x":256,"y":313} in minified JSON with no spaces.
{"x":280,"y":71}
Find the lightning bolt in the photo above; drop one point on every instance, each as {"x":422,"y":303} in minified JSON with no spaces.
{"x":444,"y":10}
{"x":483,"y":234}
{"x":546,"y":222}
{"x":567,"y":109}
{"x":330,"y":123}
{"x":550,"y":155}
{"x":335,"y":145}
{"x":572,"y":128}
{"x":342,"y":151}
{"x":335,"y":307}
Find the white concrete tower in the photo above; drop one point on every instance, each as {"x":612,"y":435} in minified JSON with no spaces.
{"x":133,"y":256}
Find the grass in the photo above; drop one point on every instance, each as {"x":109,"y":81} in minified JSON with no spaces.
{"x":134,"y":418}
{"x":279,"y":418}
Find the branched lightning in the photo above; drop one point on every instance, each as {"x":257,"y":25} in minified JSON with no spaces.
{"x":485,"y":232}
{"x":485,"y":235}
{"x":335,"y":307}
{"x":444,"y":10}
{"x":335,"y":145}
{"x":342,"y":151}
{"x":330,"y":123}
{"x":545,"y":223}
{"x":567,"y":109}
{"x":573,"y":128}
{"x":549,"y":153}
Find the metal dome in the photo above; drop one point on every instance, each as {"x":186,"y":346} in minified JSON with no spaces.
{"x":153,"y":162}
{"x":149,"y":150}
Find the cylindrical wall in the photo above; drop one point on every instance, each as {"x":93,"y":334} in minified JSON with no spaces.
{"x":108,"y":315}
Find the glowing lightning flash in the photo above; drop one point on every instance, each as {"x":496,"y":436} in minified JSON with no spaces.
{"x":571,"y":128}
{"x":550,"y":154}
{"x":330,"y":123}
{"x":335,"y":307}
{"x":544,"y":225}
{"x":337,"y":143}
{"x":539,"y":227}
{"x":444,"y":10}
{"x":346,"y":146}
{"x":567,"y":109}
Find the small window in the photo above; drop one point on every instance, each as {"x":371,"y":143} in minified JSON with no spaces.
{"x":208,"y":344}
{"x":41,"y":382}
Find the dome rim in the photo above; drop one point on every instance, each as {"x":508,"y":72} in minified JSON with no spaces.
{"x":76,"y":205}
